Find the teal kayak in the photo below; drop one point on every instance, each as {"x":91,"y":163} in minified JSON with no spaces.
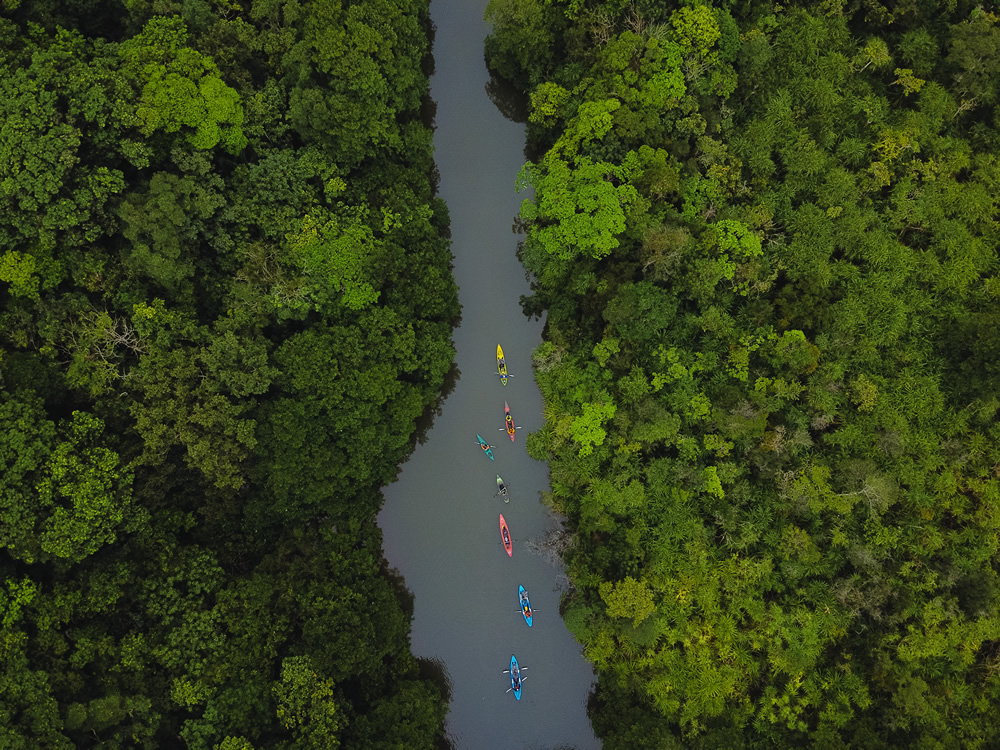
{"x":485,"y":446}
{"x":522,"y":599}
{"x":515,"y":677}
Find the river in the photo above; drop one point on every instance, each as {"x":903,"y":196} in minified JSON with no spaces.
{"x":440,"y":518}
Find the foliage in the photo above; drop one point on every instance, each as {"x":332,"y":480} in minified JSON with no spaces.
{"x":769,"y":363}
{"x":225,"y":298}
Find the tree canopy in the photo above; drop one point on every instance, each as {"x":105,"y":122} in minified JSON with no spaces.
{"x":225,"y":298}
{"x":765,"y":240}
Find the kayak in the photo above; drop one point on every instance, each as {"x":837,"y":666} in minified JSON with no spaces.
{"x":501,"y":365}
{"x":509,"y":420}
{"x":522,"y":598}
{"x":505,"y":536}
{"x":485,"y":446}
{"x":502,"y":489}
{"x":515,"y":677}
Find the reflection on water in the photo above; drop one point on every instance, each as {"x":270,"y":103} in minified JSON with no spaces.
{"x":435,"y":671}
{"x":432,"y":670}
{"x":425,"y":421}
{"x":512,"y":103}
{"x":428,"y":62}
{"x":428,"y":112}
{"x":403,"y":595}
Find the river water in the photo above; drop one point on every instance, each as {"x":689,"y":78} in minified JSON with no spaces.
{"x":440,"y":518}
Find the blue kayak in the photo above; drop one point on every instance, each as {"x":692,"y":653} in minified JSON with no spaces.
{"x":515,"y":677}
{"x":485,"y":446}
{"x":522,"y":598}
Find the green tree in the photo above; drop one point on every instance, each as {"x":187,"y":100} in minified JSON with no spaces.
{"x":165,"y":224}
{"x":26,"y":694}
{"x":65,"y":494}
{"x":628,"y":598}
{"x":306,"y":705}
{"x":579,"y":209}
{"x":333,"y":254}
{"x":522,"y":43}
{"x":179,"y":90}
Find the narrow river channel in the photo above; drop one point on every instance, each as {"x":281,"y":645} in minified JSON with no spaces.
{"x":440,"y":519}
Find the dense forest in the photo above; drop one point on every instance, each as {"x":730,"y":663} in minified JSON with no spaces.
{"x":225,"y":298}
{"x":765,"y":239}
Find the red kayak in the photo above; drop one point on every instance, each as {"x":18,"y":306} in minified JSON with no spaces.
{"x":509,"y":420}
{"x":505,"y":536}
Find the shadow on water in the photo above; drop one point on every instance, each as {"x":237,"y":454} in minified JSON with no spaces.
{"x":425,"y":421}
{"x":511,"y":103}
{"x":403,"y":595}
{"x":433,"y":670}
{"x":427,"y":63}
{"x":428,"y":112}
{"x":428,"y":107}
{"x":515,"y":105}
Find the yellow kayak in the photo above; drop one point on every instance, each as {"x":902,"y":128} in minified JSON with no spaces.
{"x":501,"y":365}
